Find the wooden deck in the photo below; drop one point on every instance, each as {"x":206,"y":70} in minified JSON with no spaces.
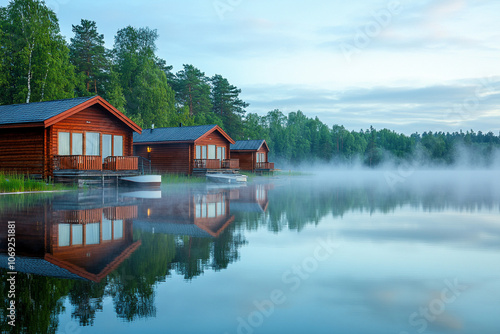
{"x":203,"y":166}
{"x":95,"y":162}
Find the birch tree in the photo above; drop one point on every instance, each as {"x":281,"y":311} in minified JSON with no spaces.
{"x":35,"y":60}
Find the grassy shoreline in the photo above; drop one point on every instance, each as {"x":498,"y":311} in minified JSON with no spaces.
{"x":16,"y":183}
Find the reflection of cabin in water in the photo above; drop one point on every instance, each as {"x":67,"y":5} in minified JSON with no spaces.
{"x":77,"y":244}
{"x":186,"y":149}
{"x":253,"y":198}
{"x":66,"y":136}
{"x":253,"y":155}
{"x":195,"y":215}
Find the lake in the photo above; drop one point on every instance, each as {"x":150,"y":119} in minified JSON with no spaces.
{"x":355,"y":251}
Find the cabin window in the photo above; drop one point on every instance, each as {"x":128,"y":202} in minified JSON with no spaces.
{"x":64,"y":234}
{"x":77,"y":234}
{"x":201,"y":209}
{"x":211,"y":152}
{"x":63,"y":142}
{"x":223,"y":153}
{"x":260,"y":193}
{"x":106,"y":146}
{"x":76,"y":143}
{"x":118,"y":229}
{"x":198,"y":152}
{"x":212,"y":209}
{"x":92,"y":143}
{"x":221,"y":208}
{"x":219,"y":153}
{"x":258,"y":157}
{"x":107,"y":229}
{"x":118,"y":146}
{"x":92,"y":234}
{"x":203,"y":152}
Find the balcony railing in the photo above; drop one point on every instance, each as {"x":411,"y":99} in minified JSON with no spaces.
{"x":78,"y":162}
{"x":120,"y":163}
{"x":264,"y":165}
{"x":207,"y":163}
{"x":231,"y":163}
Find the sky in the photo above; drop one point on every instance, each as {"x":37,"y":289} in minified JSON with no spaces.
{"x":409,"y":66}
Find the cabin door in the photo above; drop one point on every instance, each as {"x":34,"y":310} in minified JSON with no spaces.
{"x":106,"y":146}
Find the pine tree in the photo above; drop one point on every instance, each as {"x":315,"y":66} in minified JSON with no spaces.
{"x":90,"y":58}
{"x":192,"y":89}
{"x":227,"y":104}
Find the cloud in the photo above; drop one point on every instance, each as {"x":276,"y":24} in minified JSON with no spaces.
{"x":471,"y":103}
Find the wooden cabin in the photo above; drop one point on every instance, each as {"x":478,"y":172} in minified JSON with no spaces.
{"x":186,"y":149}
{"x":80,"y":134}
{"x":252,"y":154}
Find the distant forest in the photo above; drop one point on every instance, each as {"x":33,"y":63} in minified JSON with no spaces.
{"x":37,"y":64}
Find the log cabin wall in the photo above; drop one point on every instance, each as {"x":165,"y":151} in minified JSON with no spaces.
{"x":167,"y":158}
{"x":22,"y":150}
{"x":247,"y":159}
{"x":92,"y":119}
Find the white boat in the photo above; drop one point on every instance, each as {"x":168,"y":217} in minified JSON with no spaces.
{"x":226,"y":178}
{"x":142,"y":180}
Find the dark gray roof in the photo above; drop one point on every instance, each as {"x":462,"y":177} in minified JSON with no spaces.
{"x":38,"y":266}
{"x":37,"y":111}
{"x":250,"y":145}
{"x":171,"y":228}
{"x":181,"y":133}
{"x":245,"y":207}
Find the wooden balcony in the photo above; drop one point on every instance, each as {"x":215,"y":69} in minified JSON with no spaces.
{"x":231,"y":163}
{"x":207,"y":163}
{"x":78,"y":162}
{"x":120,"y":163}
{"x":264,"y":165}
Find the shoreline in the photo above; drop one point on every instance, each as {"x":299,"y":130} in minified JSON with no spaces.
{"x":32,"y":192}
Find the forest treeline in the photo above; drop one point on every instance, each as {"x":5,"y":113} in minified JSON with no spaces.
{"x":38,"y":64}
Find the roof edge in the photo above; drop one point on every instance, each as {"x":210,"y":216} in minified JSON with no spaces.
{"x":92,"y":101}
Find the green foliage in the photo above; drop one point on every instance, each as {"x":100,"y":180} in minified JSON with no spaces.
{"x":35,"y":58}
{"x":36,"y":65}
{"x":21,"y":183}
{"x":192,"y":90}
{"x":148,"y":97}
{"x":90,"y":58}
{"x":227,"y":104}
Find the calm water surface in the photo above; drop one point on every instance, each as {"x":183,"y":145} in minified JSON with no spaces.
{"x":341,"y":252}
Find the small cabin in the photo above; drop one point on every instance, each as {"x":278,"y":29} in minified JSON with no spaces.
{"x":186,"y":149}
{"x":252,"y":155}
{"x":79,"y":134}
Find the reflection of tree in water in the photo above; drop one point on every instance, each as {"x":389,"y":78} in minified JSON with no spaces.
{"x":39,"y":302}
{"x":195,"y":255}
{"x":86,"y":297}
{"x":287,"y":210}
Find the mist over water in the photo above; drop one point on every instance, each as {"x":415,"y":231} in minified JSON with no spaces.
{"x":402,"y":234}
